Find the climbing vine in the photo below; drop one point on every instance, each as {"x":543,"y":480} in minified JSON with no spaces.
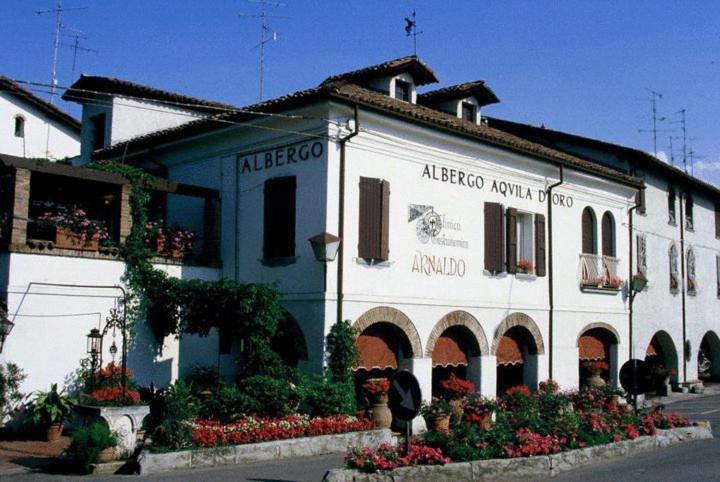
{"x":173,"y":306}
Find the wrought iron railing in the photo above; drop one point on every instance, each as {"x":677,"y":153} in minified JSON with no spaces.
{"x":600,"y":271}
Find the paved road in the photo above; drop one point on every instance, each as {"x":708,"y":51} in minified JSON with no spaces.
{"x":686,"y":462}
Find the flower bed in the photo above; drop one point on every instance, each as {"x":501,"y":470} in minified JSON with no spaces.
{"x":387,"y":457}
{"x":212,"y":433}
{"x":528,"y":424}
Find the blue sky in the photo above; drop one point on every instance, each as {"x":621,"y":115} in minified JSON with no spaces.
{"x":578,"y":66}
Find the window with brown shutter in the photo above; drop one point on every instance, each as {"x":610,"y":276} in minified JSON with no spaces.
{"x":588,"y":231}
{"x":494,"y":237}
{"x":374,"y":219}
{"x":717,"y":220}
{"x":279,"y":232}
{"x":512,"y":240}
{"x":608,"y":234}
{"x":539,"y":245}
{"x":640,"y":201}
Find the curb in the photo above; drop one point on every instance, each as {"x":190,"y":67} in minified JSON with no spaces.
{"x":150,"y":463}
{"x":537,"y":467}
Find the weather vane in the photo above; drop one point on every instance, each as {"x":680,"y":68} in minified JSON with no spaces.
{"x":411,"y":29}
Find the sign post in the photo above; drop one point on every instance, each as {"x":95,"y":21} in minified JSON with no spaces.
{"x":404,"y":400}
{"x":633,"y":374}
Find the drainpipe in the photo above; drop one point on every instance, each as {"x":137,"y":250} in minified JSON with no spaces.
{"x":682,"y":284}
{"x":550,"y":269}
{"x":341,"y":212}
{"x":631,"y":293}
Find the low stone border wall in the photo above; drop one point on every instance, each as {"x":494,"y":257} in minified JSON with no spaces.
{"x":541,"y":466}
{"x":151,"y":463}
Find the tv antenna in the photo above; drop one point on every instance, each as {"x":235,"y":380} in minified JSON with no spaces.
{"x":411,"y":29}
{"x":58,"y":10}
{"x":266,"y":34}
{"x":655,"y":119}
{"x":77,"y":35}
{"x":693,"y":156}
{"x":672,"y":151}
{"x":683,"y":128}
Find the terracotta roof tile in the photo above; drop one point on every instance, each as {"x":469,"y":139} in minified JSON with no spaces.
{"x":476,"y":88}
{"x":422,"y":74}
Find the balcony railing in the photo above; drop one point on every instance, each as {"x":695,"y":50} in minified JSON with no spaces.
{"x":600,"y":272}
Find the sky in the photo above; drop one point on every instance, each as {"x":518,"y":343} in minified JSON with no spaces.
{"x":578,"y":66}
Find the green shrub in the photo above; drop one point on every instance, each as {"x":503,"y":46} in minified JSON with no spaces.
{"x":320,"y":397}
{"x":341,"y":352}
{"x":268,"y":396}
{"x":51,"y":407}
{"x":203,"y":379}
{"x":227,"y":404}
{"x":88,"y":442}
{"x":172,"y":411}
{"x":11,"y":376}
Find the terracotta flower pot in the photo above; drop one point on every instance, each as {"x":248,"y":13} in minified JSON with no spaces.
{"x":456,"y":404}
{"x":440,"y":423}
{"x":381,"y":414}
{"x":64,"y":238}
{"x":54,"y":432}
{"x":107,"y":455}
{"x":595,"y":381}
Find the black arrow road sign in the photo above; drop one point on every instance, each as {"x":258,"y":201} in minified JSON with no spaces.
{"x":404,"y":396}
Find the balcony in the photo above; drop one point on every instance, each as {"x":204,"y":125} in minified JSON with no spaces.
{"x":61,"y":210}
{"x":599,"y":273}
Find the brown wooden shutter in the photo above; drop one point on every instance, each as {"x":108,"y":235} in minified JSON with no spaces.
{"x":374,"y":219}
{"x":588,"y":232}
{"x":494,"y":237}
{"x":608,"y":235}
{"x":640,"y":201}
{"x":717,"y":220}
{"x":511,"y":249}
{"x":279,"y":231}
{"x":385,"y":224}
{"x":540,"y":245}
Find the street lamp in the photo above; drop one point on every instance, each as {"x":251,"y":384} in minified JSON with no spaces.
{"x":325,"y":247}
{"x":94,"y":347}
{"x":6,"y":327}
{"x":639,"y":281}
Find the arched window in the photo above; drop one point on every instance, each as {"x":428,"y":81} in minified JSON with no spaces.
{"x":674,"y":277}
{"x":19,"y":126}
{"x":671,"y":205}
{"x":689,"y":212}
{"x":589,"y":234}
{"x":691,"y":282}
{"x":608,"y":234}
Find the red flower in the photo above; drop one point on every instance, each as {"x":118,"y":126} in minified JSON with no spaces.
{"x":376,"y":386}
{"x":457,"y":387}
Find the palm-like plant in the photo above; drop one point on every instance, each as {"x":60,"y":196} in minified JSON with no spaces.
{"x":51,"y":407}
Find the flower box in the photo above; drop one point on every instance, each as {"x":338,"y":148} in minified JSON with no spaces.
{"x":65,"y":238}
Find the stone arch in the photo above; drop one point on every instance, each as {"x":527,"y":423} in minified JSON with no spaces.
{"x":668,"y":355}
{"x":395,"y":317}
{"x":523,"y":320}
{"x":709,"y":348}
{"x":601,"y":325}
{"x":458,"y":318}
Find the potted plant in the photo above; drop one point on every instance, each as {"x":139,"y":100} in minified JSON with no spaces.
{"x":73,"y":227}
{"x":524,"y":266}
{"x":437,"y":414}
{"x":614,"y":282}
{"x":376,"y":389}
{"x":596,"y":369}
{"x":92,"y":444}
{"x":456,"y":389}
{"x":479,"y":411}
{"x":50,"y":409}
{"x":174,"y":242}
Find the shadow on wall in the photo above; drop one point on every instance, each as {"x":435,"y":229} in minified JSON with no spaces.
{"x":144,"y":361}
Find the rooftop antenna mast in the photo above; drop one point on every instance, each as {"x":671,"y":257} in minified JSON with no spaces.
{"x":683,"y":127}
{"x":411,"y":29}
{"x":58,"y":10}
{"x":77,"y":35}
{"x":672,"y":152}
{"x":693,"y":156}
{"x":266,"y":35}
{"x":655,"y":119}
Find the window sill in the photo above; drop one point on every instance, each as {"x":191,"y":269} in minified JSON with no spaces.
{"x":495,"y":274}
{"x":672,"y":223}
{"x":674,"y":291}
{"x":374,"y":262}
{"x":606,"y":290}
{"x":284,"y":261}
{"x":526,"y":276}
{"x":691,"y":292}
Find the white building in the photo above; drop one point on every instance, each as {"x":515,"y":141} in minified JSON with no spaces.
{"x":32,"y":127}
{"x":465,"y":248}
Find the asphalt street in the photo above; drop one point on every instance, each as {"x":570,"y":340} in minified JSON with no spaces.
{"x":686,"y":462}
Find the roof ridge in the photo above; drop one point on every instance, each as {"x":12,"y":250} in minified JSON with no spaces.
{"x":13,"y":87}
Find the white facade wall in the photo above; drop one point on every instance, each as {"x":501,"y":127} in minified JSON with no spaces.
{"x":51,"y":322}
{"x":44,"y":137}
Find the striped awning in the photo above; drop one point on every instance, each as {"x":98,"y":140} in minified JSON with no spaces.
{"x":653,"y":348}
{"x":509,"y":352}
{"x":376,"y":349}
{"x":592,"y":347}
{"x":448,"y":352}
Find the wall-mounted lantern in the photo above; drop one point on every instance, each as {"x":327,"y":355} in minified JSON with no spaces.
{"x":6,"y":327}
{"x":325,"y":246}
{"x":639,"y":281}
